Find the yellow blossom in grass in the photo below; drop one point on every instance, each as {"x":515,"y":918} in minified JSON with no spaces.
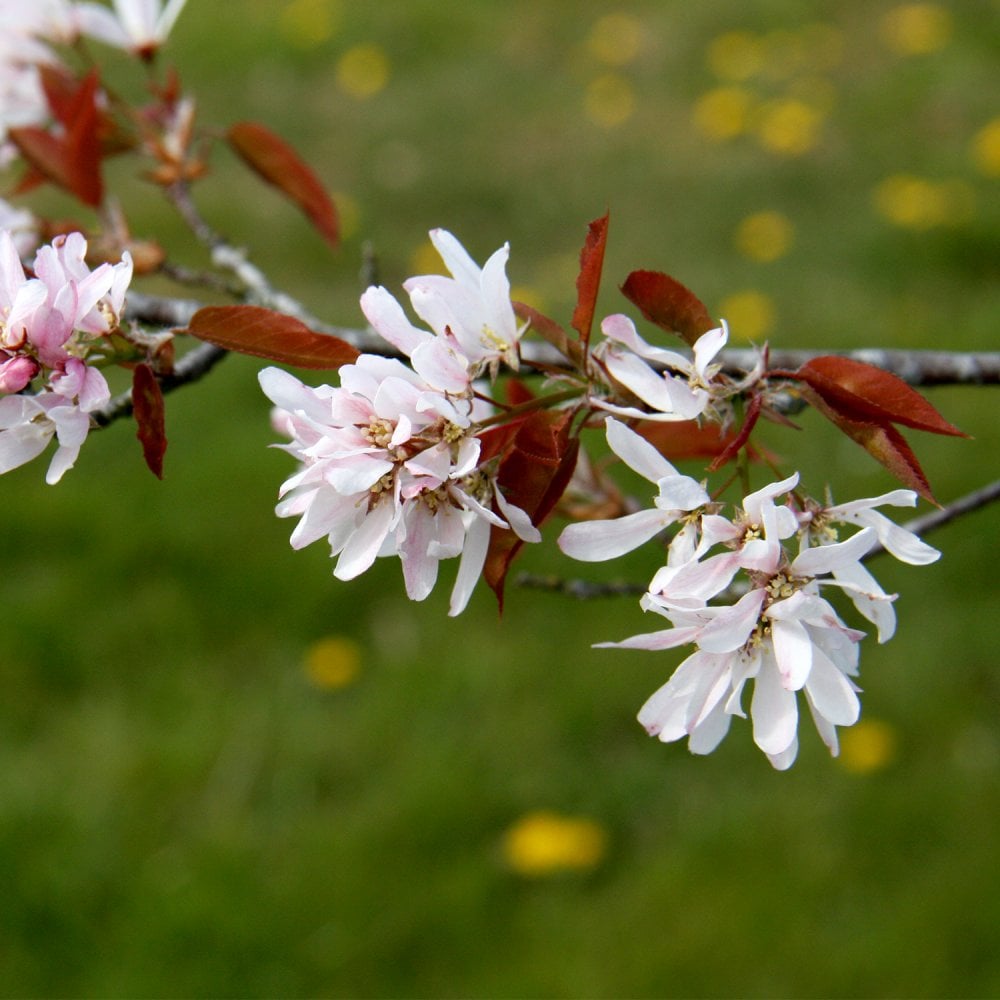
{"x":764,"y":236}
{"x":867,"y":746}
{"x":615,"y":39}
{"x":914,"y":29}
{"x":986,"y":149}
{"x":544,"y":843}
{"x":750,"y":314}
{"x":333,"y":662}
{"x":723,"y":112}
{"x":918,"y":203}
{"x":788,"y":126}
{"x":309,"y":23}
{"x":610,"y":100}
{"x":736,"y":56}
{"x":363,"y":71}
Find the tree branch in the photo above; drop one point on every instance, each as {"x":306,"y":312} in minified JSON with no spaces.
{"x":585,"y":590}
{"x":919,"y":368}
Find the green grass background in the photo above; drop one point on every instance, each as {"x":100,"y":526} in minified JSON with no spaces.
{"x":183,"y":813}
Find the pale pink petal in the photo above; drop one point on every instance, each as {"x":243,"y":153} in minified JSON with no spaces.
{"x":456,"y":257}
{"x":756,"y":503}
{"x":420,"y":568}
{"x":708,"y":345}
{"x":597,"y":541}
{"x":620,"y":329}
{"x":387,"y":317}
{"x":784,"y":760}
{"x":711,"y":731}
{"x":774,"y":711}
{"x":698,"y":581}
{"x":903,"y":544}
{"x":518,"y":519}
{"x":470,"y":566}
{"x":831,"y":694}
{"x":636,"y":452}
{"x":441,"y":366}
{"x":793,"y":652}
{"x":666,"y":713}
{"x":869,"y":598}
{"x":663,"y":392}
{"x":826,"y":729}
{"x":823,"y":559}
{"x":357,"y":475}
{"x":363,"y":546}
{"x":681,"y":493}
{"x":669,"y":638}
{"x":733,"y":625}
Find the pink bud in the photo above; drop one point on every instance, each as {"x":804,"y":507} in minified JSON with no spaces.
{"x":16,"y":373}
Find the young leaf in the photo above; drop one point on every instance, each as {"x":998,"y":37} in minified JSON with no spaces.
{"x":588,"y":282}
{"x":274,"y":160}
{"x":742,"y":436}
{"x":864,"y":392}
{"x":549,"y":330}
{"x":72,"y":160}
{"x":882,"y":441}
{"x":533,"y":476}
{"x":683,"y":439}
{"x":667,"y":303}
{"x":268,"y":334}
{"x":147,"y":408}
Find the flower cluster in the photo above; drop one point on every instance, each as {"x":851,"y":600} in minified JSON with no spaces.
{"x":771,"y":626}
{"x":51,"y":324}
{"x":670,"y":386}
{"x":34,"y":31}
{"x":394,"y":461}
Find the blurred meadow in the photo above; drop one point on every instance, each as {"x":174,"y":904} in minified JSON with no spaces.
{"x":225,"y":773}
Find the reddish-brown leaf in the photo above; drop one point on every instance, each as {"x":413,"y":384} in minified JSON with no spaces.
{"x":45,"y":154}
{"x":147,"y":407}
{"x":667,"y":303}
{"x":274,"y":160}
{"x":83,"y":143}
{"x":517,"y":391}
{"x":60,"y":88}
{"x":71,"y":160}
{"x":268,"y":334}
{"x":497,"y":440}
{"x":549,"y":330}
{"x":732,"y":449}
{"x":588,"y":282}
{"x":882,"y":441}
{"x":533,"y":476}
{"x":683,"y":439}
{"x":863,"y":392}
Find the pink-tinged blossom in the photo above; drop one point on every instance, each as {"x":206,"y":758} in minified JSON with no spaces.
{"x":52,"y":315}
{"x":471,"y":310}
{"x":62,"y":410}
{"x":139,"y":26}
{"x":672,"y":386}
{"x":49,"y":325}
{"x":386,"y":470}
{"x":781,"y":634}
{"x":858,"y":584}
